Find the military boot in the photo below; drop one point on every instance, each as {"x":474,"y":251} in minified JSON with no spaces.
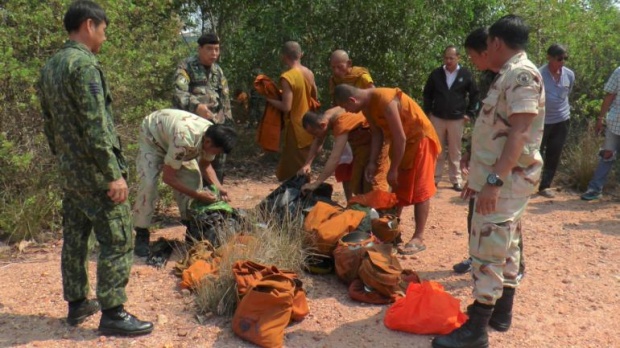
{"x":80,"y":310}
{"x":141,"y":247}
{"x":502,"y":314}
{"x":473,"y":334}
{"x":117,"y":321}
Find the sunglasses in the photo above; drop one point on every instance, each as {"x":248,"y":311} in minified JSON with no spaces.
{"x":559,"y":59}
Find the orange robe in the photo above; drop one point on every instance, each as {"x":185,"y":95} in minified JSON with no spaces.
{"x":359,"y":138}
{"x":268,"y":135}
{"x":416,"y":182}
{"x":296,"y":140}
{"x":358,"y":77}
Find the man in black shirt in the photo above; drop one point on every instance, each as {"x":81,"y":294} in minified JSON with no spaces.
{"x":450,"y":99}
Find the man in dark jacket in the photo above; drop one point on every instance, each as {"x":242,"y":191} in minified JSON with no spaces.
{"x":450,"y":99}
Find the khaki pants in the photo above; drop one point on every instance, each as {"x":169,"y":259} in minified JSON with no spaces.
{"x":450,"y":132}
{"x":494,"y":249}
{"x":150,"y":162}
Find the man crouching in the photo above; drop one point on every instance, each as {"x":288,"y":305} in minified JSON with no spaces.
{"x":171,"y":141}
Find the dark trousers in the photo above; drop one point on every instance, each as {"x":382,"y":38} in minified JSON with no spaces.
{"x":554,"y":138}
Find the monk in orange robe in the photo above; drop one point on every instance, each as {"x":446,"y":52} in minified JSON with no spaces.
{"x":299,"y":95}
{"x":414,"y":146}
{"x":346,"y":127}
{"x":343,"y":71}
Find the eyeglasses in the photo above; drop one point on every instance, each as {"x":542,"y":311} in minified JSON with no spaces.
{"x":559,"y":59}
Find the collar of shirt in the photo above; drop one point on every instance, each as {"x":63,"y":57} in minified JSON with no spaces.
{"x":78,"y":45}
{"x":451,"y":76}
{"x":514,"y":59}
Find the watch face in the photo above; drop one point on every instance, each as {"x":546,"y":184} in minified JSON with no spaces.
{"x":492,"y":179}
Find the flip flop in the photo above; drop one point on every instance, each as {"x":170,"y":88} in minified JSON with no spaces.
{"x":411,"y":248}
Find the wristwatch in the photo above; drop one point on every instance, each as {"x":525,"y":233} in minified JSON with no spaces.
{"x":494,"y":180}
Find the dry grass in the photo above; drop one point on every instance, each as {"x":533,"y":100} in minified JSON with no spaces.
{"x":279,"y":244}
{"x":581,"y":156}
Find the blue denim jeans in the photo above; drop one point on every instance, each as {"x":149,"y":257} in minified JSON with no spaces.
{"x":612,"y":143}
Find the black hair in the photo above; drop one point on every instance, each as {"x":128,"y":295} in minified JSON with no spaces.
{"x":82,"y":10}
{"x":556,"y":50}
{"x":477,"y":40}
{"x":223,"y":137}
{"x":512,"y":30}
{"x":208,"y":39}
{"x":312,"y":119}
{"x":451,"y":47}
{"x":343,"y":92}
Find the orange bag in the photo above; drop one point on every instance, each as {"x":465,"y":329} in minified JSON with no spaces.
{"x":300,"y":302}
{"x":327,"y":224}
{"x":376,"y":199}
{"x":426,"y":310}
{"x":349,"y":253}
{"x":359,"y":292}
{"x":381,"y":271}
{"x":386,"y":228}
{"x":265,"y":311}
{"x":193,"y":275}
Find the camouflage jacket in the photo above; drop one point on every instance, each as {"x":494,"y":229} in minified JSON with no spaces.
{"x":196,"y":84}
{"x":75,"y":100}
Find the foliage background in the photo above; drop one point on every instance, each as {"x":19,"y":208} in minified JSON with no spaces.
{"x":399,"y":41}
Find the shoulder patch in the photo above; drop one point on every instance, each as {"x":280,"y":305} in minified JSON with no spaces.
{"x":94,"y":88}
{"x":524,"y":78}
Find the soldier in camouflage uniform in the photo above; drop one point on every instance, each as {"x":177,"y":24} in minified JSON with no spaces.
{"x":171,"y":141}
{"x":79,"y":127}
{"x":201,"y":88}
{"x":506,"y":165}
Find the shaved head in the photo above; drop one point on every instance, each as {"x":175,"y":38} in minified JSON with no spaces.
{"x":291,"y":50}
{"x":312,"y":120}
{"x":343,"y":92}
{"x":339,"y":56}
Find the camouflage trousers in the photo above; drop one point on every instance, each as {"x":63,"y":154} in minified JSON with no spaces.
{"x":494,"y":249}
{"x":150,"y":162}
{"x":88,"y":212}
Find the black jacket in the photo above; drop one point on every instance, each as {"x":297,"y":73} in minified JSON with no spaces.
{"x":453,"y":103}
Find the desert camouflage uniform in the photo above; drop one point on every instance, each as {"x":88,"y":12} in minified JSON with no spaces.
{"x":196,"y":84}
{"x":79,"y":127}
{"x":171,"y":137}
{"x":493,"y":244}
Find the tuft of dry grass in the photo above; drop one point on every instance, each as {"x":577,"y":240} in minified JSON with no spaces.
{"x":581,"y":157}
{"x":274,"y":243}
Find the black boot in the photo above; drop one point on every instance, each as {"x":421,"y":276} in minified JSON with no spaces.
{"x":473,"y":334}
{"x":502,"y":314}
{"x":80,"y":310}
{"x":141,"y":247}
{"x":116,"y":321}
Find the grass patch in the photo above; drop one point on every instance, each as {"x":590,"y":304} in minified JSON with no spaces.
{"x":581,"y":156}
{"x":279,"y":244}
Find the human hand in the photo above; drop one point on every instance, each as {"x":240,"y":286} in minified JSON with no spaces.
{"x":467,"y":193}
{"x":117,"y":190}
{"x":369,"y":172}
{"x":206,"y":196}
{"x":466,"y":119}
{"x":305,"y":170}
{"x":309,"y":187}
{"x":486,"y":202}
{"x":464,"y":164}
{"x":392,"y":177}
{"x":224,"y":195}
{"x":203,"y":111}
{"x":599,"y":126}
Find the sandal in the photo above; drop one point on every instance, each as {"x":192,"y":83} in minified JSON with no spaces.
{"x":411,"y":248}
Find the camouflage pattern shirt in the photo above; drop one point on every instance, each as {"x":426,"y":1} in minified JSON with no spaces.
{"x":196,"y":84}
{"x":78,"y":123}
{"x":518,"y":88}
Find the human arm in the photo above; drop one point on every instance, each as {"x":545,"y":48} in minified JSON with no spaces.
{"x":428,"y":95}
{"x":208,"y":172}
{"x":182,"y":97}
{"x":398,"y":141}
{"x":607,"y":101}
{"x":315,"y":148}
{"x":224,"y":96}
{"x":286,"y":102}
{"x":518,"y":134}
{"x":340,"y":142}
{"x":170,"y":178}
{"x":473,"y":96}
{"x":376,"y":141}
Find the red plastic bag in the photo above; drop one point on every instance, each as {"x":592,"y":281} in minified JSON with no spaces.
{"x":426,"y":310}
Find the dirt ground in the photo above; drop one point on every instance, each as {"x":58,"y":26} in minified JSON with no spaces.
{"x":569,"y":297}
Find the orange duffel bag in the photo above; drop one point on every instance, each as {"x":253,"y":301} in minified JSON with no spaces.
{"x":381,"y":271}
{"x":265,"y":311}
{"x":349,"y":253}
{"x":386,"y":228}
{"x":326,"y":224}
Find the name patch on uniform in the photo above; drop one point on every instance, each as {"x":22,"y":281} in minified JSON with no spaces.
{"x":94,"y":88}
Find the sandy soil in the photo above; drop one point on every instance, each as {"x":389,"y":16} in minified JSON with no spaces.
{"x":569,"y":298}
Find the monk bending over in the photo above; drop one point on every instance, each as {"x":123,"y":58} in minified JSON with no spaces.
{"x":395,"y":117}
{"x":346,"y":127}
{"x":298,"y":92}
